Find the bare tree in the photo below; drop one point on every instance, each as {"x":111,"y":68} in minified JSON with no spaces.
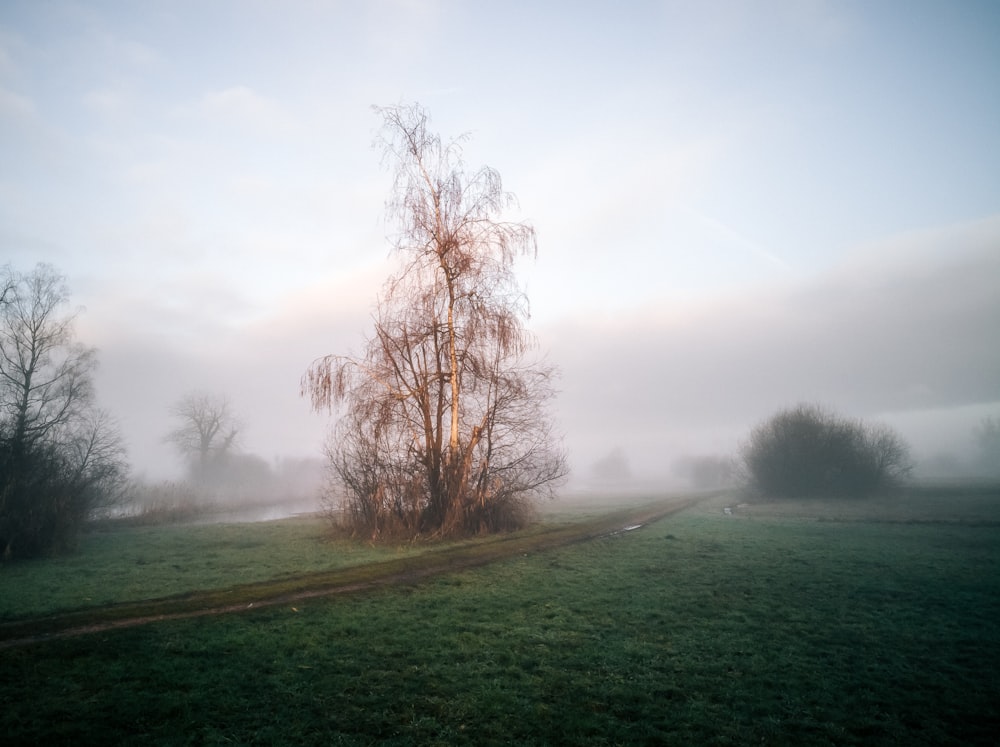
{"x":46,"y":375}
{"x":206,"y":433}
{"x":445,"y":428}
{"x":98,"y":462}
{"x":61,"y":459}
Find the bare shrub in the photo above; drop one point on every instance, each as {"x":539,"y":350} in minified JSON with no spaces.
{"x":806,"y":451}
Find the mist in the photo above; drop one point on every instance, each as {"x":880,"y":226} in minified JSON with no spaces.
{"x":898,"y":333}
{"x":887,"y":336}
{"x":736,"y":211}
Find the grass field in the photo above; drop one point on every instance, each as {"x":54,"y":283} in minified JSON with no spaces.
{"x":138,"y":563}
{"x":779,"y":624}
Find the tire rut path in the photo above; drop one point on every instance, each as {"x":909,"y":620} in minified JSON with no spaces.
{"x":344,"y":581}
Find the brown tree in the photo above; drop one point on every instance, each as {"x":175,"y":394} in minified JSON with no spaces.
{"x":445,"y":429}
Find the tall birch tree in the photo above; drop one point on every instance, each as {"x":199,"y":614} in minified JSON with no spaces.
{"x":444,"y":426}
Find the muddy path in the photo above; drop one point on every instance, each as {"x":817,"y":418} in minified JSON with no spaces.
{"x":343,"y":581}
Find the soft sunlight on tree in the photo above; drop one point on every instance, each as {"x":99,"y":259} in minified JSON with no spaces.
{"x":61,"y":459}
{"x":445,"y":429}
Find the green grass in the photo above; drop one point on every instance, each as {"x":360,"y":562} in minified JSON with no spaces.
{"x":157,"y":570}
{"x":139,"y":563}
{"x":762,"y":627}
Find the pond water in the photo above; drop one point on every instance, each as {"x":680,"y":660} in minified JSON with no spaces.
{"x":250,"y":514}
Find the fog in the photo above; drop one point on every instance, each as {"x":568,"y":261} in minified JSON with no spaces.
{"x":897,"y":334}
{"x":899,"y":338}
{"x":739,"y":207}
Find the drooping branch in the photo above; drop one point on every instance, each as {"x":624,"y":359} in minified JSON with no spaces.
{"x":444,"y":427}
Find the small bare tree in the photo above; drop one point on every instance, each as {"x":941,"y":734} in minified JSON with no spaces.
{"x":206,"y":433}
{"x":445,"y":428}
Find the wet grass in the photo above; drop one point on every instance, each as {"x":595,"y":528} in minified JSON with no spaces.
{"x":761,"y":627}
{"x":139,"y":563}
{"x":118,"y":564}
{"x":385,"y":566}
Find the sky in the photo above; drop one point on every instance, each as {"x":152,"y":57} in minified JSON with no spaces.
{"x":739,"y":205}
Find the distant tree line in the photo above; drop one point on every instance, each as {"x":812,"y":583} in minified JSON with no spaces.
{"x":61,"y":457}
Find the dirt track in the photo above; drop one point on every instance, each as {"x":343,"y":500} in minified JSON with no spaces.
{"x":344,"y":581}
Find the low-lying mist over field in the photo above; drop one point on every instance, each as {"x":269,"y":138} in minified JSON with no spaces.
{"x":885,"y":337}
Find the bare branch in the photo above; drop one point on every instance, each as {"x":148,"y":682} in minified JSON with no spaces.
{"x":444,"y":427}
{"x":207,"y":430}
{"x":57,"y":459}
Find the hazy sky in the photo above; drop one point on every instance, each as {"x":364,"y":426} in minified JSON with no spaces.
{"x":739,"y":205}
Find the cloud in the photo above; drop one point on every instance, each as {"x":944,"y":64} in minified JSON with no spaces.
{"x":896,"y":331}
{"x":675,"y":172}
{"x":136,"y":54}
{"x":722,"y":233}
{"x":243,"y":108}
{"x":156,"y":343}
{"x":107,"y":102}
{"x":402,"y":31}
{"x":14,"y":105}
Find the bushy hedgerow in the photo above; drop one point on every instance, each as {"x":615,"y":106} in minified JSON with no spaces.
{"x":806,"y":451}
